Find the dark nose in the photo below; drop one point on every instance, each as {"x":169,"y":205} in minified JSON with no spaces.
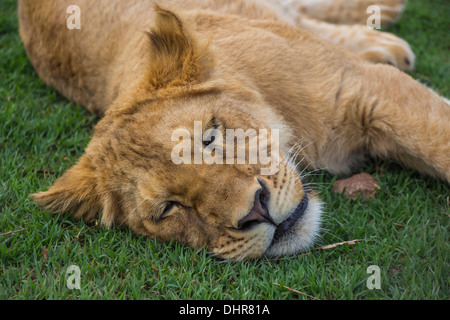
{"x":259,"y":213}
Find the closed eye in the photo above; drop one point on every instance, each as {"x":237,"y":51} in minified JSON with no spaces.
{"x":169,"y":206}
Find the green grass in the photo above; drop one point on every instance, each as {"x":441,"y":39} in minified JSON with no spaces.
{"x":404,"y":228}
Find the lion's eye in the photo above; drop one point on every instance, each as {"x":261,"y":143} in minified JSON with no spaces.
{"x":207,"y":143}
{"x":169,"y":206}
{"x":167,"y":209}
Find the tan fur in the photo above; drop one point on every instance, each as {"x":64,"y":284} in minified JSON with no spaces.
{"x":150,"y":70}
{"x":369,"y":44}
{"x":352,"y":11}
{"x":320,"y":18}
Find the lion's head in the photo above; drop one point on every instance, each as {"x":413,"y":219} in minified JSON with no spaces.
{"x":142,"y":167}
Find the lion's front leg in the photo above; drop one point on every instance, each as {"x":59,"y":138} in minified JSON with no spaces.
{"x":385,"y":113}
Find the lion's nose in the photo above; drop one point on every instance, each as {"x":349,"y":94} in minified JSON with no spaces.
{"x":259,"y":213}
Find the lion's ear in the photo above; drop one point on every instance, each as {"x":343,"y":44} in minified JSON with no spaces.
{"x":75,"y":192}
{"x":177,"y":57}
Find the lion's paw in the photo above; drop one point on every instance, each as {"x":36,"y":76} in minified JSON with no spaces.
{"x":383,"y":47}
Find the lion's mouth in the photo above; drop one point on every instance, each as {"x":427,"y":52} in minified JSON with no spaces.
{"x":287,"y":224}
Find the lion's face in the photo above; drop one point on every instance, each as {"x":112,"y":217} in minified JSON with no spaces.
{"x":233,"y":209}
{"x":161,"y":162}
{"x":129,"y":173}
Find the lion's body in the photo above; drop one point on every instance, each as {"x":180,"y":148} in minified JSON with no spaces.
{"x":227,"y":60}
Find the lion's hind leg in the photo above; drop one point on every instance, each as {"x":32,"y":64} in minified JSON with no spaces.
{"x":371,"y":45}
{"x":353,"y":11}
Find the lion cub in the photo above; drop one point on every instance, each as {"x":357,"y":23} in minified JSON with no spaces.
{"x":210,"y":108}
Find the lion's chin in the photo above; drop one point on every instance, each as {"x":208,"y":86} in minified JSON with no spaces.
{"x":301,"y":234}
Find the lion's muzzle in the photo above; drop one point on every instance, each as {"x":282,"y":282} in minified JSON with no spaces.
{"x":259,"y":213}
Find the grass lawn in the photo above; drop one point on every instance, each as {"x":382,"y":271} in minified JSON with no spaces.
{"x":404,"y":229}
